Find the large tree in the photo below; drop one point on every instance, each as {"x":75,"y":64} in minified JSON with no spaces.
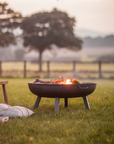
{"x":42,"y":29}
{"x":9,"y":20}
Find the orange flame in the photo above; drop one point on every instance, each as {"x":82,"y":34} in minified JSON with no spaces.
{"x":68,"y":81}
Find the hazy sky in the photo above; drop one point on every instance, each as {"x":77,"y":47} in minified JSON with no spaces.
{"x":97,"y":15}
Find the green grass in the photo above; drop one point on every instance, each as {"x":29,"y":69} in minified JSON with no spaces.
{"x":72,"y":125}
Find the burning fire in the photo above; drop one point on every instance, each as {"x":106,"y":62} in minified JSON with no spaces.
{"x":60,"y":81}
{"x":68,"y":81}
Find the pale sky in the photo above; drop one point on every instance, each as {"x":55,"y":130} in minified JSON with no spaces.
{"x":96,"y":15}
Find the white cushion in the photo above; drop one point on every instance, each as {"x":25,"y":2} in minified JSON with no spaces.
{"x":15,"y":111}
{"x":3,"y":106}
{"x":23,"y":110}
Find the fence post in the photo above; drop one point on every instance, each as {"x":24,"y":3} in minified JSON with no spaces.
{"x":74,"y":70}
{"x":0,"y":69}
{"x":100,"y":76}
{"x":24,"y":69}
{"x":48,"y":71}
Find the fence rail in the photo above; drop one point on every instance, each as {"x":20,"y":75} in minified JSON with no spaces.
{"x":73,"y":63}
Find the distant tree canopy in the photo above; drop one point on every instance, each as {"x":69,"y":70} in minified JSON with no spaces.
{"x":45,"y":28}
{"x":9,"y":20}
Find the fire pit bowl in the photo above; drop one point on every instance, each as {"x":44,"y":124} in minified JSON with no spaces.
{"x":58,"y":91}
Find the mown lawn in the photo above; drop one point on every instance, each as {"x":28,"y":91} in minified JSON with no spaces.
{"x":72,"y":125}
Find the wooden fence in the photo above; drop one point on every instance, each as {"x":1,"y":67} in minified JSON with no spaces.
{"x":73,"y":63}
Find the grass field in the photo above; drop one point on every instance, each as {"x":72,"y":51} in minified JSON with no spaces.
{"x":6,"y":66}
{"x":72,"y":125}
{"x":15,"y":69}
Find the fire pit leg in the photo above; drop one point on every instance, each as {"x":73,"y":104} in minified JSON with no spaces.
{"x":66,"y":102}
{"x":37,"y":102}
{"x":56,"y":104}
{"x":86,"y":102}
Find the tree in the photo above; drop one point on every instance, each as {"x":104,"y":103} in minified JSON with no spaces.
{"x":9,"y":20}
{"x":19,"y":54}
{"x":42,"y":29}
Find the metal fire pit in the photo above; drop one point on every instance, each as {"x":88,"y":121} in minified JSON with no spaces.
{"x":65,"y":91}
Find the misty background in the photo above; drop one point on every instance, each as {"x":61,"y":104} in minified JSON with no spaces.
{"x":95,"y":26}
{"x":96,"y":46}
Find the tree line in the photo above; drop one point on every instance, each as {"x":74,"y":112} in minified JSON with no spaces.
{"x":107,"y":41}
{"x":39,"y":30}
